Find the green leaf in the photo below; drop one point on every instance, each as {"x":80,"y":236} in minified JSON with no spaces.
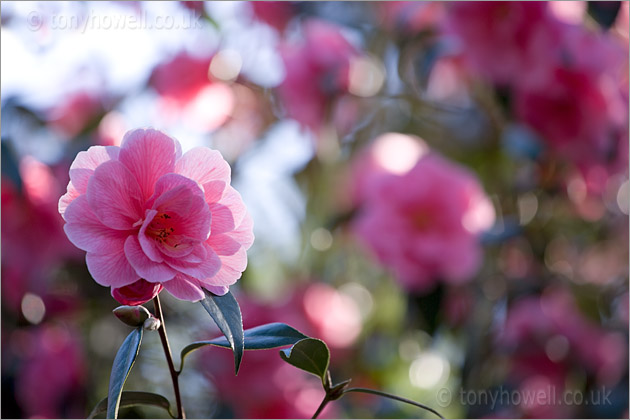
{"x":226,"y":313}
{"x":262,"y":337}
{"x":133,"y":398}
{"x":309,"y":354}
{"x":123,"y":363}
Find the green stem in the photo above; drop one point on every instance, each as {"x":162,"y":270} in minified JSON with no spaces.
{"x":169,"y":357}
{"x":393,"y":397}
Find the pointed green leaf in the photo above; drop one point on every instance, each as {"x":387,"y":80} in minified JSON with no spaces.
{"x":226,"y":313}
{"x":132,"y":398}
{"x":309,"y":354}
{"x":262,"y":337}
{"x":123,"y":363}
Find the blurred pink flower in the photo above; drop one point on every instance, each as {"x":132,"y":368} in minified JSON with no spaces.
{"x":274,"y":13}
{"x":504,"y":41}
{"x":424,"y":223}
{"x":317,"y":71}
{"x":579,"y":106}
{"x":75,"y":112}
{"x":143,"y":210}
{"x":28,"y":262}
{"x":548,"y":338}
{"x":188,"y":92}
{"x":181,"y":77}
{"x":50,"y":380}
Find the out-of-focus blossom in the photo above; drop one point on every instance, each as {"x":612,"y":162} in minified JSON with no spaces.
{"x":424,"y":224}
{"x":51,"y":376}
{"x":411,"y":16}
{"x":547,"y":338}
{"x":75,"y":113}
{"x":317,"y":72}
{"x":182,"y":77}
{"x":578,"y":113}
{"x":317,"y":310}
{"x":274,"y":13}
{"x":144,"y":211}
{"x":504,"y":41}
{"x":389,"y":154}
{"x":28,"y":217}
{"x":188,"y":93}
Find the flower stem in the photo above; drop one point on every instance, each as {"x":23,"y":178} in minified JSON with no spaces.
{"x":169,"y":357}
{"x":393,"y":397}
{"x":321,"y":407}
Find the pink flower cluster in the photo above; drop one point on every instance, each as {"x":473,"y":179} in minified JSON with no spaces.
{"x":423,"y":222}
{"x":566,"y":80}
{"x":150,"y":217}
{"x":548,"y":337}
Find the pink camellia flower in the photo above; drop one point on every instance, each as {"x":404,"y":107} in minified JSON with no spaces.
{"x":54,"y":352}
{"x":75,"y":112}
{"x":424,"y":223}
{"x":150,"y":217}
{"x":317,"y":71}
{"x":187,"y":92}
{"x":579,"y":107}
{"x":548,"y":339}
{"x":504,"y":41}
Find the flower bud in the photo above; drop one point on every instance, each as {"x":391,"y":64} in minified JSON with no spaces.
{"x":132,"y":315}
{"x":151,"y":324}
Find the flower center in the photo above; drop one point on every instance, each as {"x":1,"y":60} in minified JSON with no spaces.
{"x":161,"y":228}
{"x":421,"y":220}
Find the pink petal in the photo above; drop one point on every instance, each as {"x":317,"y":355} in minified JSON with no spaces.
{"x":184,"y":288}
{"x":87,"y":232}
{"x":148,"y":154}
{"x":113,"y":195}
{"x":223,"y":244}
{"x":67,"y":198}
{"x":172,"y":182}
{"x":203,"y":165}
{"x":217,"y":290}
{"x":149,"y":270}
{"x":244,"y":233}
{"x":202,"y":270}
{"x":214,"y":190}
{"x":148,"y":245}
{"x":222,"y":219}
{"x":86,"y":162}
{"x":231,"y":269}
{"x":111,"y":269}
{"x":136,"y":293}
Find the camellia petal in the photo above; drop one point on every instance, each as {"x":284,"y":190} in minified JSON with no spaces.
{"x":148,"y":154}
{"x":111,"y":269}
{"x":113,"y":196}
{"x":185,"y":288}
{"x":147,"y":269}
